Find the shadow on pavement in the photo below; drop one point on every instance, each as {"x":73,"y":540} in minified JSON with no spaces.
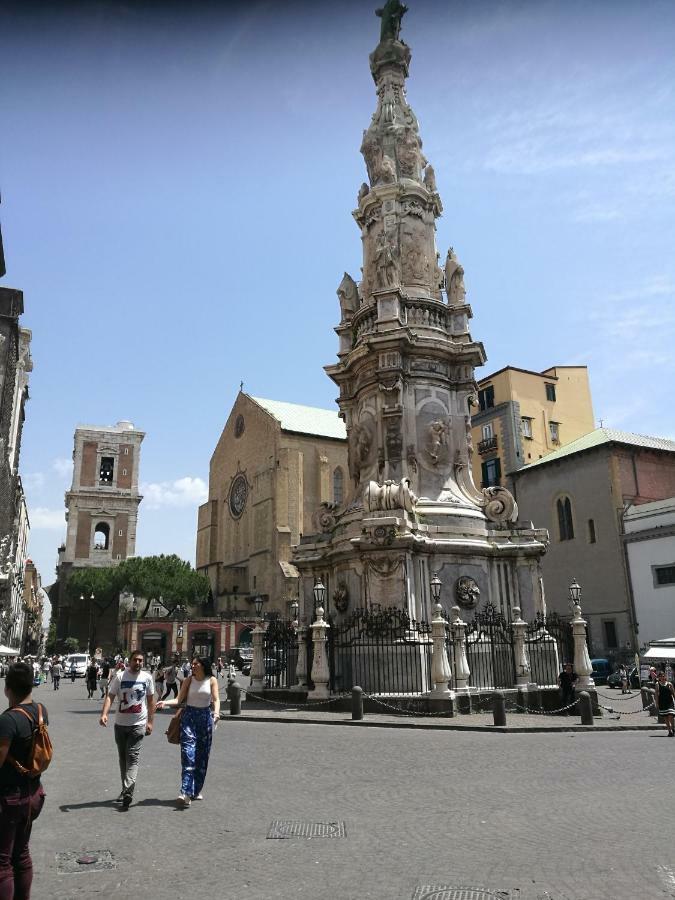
{"x":111,"y":804}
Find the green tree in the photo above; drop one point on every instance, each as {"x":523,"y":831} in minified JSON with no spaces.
{"x":50,"y":642}
{"x":167,"y":577}
{"x":104,"y":584}
{"x":71,"y":645}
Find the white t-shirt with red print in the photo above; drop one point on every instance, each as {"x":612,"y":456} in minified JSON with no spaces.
{"x":132,"y":690}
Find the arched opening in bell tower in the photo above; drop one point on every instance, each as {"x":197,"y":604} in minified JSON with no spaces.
{"x":102,"y":536}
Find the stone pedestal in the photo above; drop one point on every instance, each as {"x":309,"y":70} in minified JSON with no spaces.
{"x":519,"y":627}
{"x":441,"y":672}
{"x":258,"y":661}
{"x":582,"y":661}
{"x":301,"y":663}
{"x":320,"y":672}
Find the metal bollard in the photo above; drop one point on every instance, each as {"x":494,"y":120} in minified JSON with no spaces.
{"x":233,"y":693}
{"x":357,"y":703}
{"x":585,"y":707}
{"x":498,"y":708}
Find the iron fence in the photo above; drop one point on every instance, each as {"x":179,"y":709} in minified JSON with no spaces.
{"x":489,"y":650}
{"x":280,"y":654}
{"x":382,"y":651}
{"x":549,"y":644}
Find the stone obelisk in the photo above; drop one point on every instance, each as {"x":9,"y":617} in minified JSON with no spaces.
{"x":405,"y":372}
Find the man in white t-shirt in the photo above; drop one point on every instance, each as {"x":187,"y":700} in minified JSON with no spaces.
{"x":133,"y":720}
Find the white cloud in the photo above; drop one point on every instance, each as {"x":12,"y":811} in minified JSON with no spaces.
{"x":186,"y":491}
{"x":42,"y":517}
{"x":62,"y":466}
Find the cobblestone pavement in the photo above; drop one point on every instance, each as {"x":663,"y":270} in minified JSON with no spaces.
{"x":559,"y":816}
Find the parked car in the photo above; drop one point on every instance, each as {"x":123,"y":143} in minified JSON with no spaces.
{"x":77,"y":662}
{"x":602,"y":669}
{"x":614,"y":679}
{"x":242,"y":656}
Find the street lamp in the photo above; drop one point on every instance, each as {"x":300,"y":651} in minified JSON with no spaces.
{"x":258,"y":603}
{"x":436,"y":586}
{"x":319,"y":594}
{"x":295,"y":606}
{"x":575,"y":592}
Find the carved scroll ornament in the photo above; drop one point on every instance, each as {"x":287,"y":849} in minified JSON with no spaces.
{"x":390,"y":495}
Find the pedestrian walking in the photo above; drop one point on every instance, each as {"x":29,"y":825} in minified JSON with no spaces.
{"x":665,"y":701}
{"x":170,"y":675}
{"x":91,"y":678}
{"x":567,"y":682}
{"x":159,"y":680}
{"x":46,"y":668}
{"x":199,"y":693}
{"x":57,"y":670}
{"x":21,"y":795}
{"x":103,"y":678}
{"x":219,"y":666}
{"x":133,"y":720}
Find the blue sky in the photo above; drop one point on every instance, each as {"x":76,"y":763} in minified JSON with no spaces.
{"x":178,"y":181}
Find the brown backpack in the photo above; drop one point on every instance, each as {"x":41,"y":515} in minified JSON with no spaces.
{"x":41,"y":747}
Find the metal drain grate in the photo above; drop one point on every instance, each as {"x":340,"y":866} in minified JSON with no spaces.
{"x":71,"y":862}
{"x":447,"y":892}
{"x":284,"y":829}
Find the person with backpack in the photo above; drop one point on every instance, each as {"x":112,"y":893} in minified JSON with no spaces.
{"x":25,"y":752}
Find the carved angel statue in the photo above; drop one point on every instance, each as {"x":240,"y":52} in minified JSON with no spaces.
{"x":430,"y":178}
{"x":348,"y":295}
{"x":387,"y":172}
{"x":364,"y":190}
{"x":385,"y":264}
{"x":454,"y":280}
{"x":391,"y":14}
{"x":437,"y":433}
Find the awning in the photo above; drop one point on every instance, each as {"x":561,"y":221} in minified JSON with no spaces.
{"x":661,"y":650}
{"x":7,"y":651}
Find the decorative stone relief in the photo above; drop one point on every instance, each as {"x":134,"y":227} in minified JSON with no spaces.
{"x":364,"y":190}
{"x":360,"y":448}
{"x":415,"y":263}
{"x":467,"y":592}
{"x":500,"y":505}
{"x":408,"y":154}
{"x":341,"y":597}
{"x":374,"y":214}
{"x":412,"y":208}
{"x":387,"y":170}
{"x":390,"y":495}
{"x":411,"y":458}
{"x":325,"y":518}
{"x":348,"y":295}
{"x":394,"y":440}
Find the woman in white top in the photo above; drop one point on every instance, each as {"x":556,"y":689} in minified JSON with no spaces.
{"x":199,"y":694}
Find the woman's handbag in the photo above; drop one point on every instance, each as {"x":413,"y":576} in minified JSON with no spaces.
{"x":173,"y":731}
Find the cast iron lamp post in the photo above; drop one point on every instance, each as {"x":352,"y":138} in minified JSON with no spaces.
{"x":319,"y":594}
{"x":575,"y":592}
{"x":436,"y":587}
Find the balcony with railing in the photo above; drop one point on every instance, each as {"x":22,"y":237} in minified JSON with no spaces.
{"x":487,"y":444}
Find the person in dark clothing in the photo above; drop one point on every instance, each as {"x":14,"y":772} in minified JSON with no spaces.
{"x":665,"y":701}
{"x":21,"y":797}
{"x":566,"y":682}
{"x":92,"y":676}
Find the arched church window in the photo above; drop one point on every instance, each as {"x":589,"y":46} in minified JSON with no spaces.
{"x":101,"y":536}
{"x":338,"y":485}
{"x":565,"y":522}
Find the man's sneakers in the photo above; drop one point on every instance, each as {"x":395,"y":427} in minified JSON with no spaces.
{"x":184,"y":801}
{"x":198,"y":797}
{"x":120,"y":798}
{"x":126,"y":801}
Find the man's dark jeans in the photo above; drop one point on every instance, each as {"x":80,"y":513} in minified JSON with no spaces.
{"x":18,"y":811}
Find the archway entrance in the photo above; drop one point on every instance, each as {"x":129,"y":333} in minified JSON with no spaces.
{"x":153,"y":643}
{"x":204,"y":644}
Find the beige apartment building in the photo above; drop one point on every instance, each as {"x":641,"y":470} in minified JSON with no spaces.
{"x":274,"y":465}
{"x":522,"y":416}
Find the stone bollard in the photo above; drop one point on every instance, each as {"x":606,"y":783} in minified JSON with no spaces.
{"x":498,"y":708}
{"x":357,"y":703}
{"x":233,"y":694}
{"x":585,"y":707}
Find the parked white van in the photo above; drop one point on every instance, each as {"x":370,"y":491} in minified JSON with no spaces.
{"x":77,"y":662}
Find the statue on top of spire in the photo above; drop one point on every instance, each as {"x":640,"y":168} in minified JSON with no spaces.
{"x":391,"y":14}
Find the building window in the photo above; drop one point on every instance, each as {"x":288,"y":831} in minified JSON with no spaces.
{"x":565,"y":523}
{"x":491,"y":471}
{"x":338,"y":486}
{"x":663,"y":575}
{"x":550,"y":392}
{"x":591,"y":531}
{"x":526,"y":427}
{"x":124,"y":471}
{"x":107,"y":470}
{"x":610,"y":635}
{"x":486,"y":398}
{"x":487,"y":431}
{"x":554,"y":429}
{"x":120,"y":532}
{"x":101,"y":536}
{"x":126,"y":451}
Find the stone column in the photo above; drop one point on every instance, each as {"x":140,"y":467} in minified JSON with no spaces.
{"x":582,"y":661}
{"x":301,"y":663}
{"x":258,"y":662}
{"x":320,"y":673}
{"x":134,"y":636}
{"x":441,"y":672}
{"x":174,"y":635}
{"x":223,"y":638}
{"x":520,"y":650}
{"x":462,"y":670}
